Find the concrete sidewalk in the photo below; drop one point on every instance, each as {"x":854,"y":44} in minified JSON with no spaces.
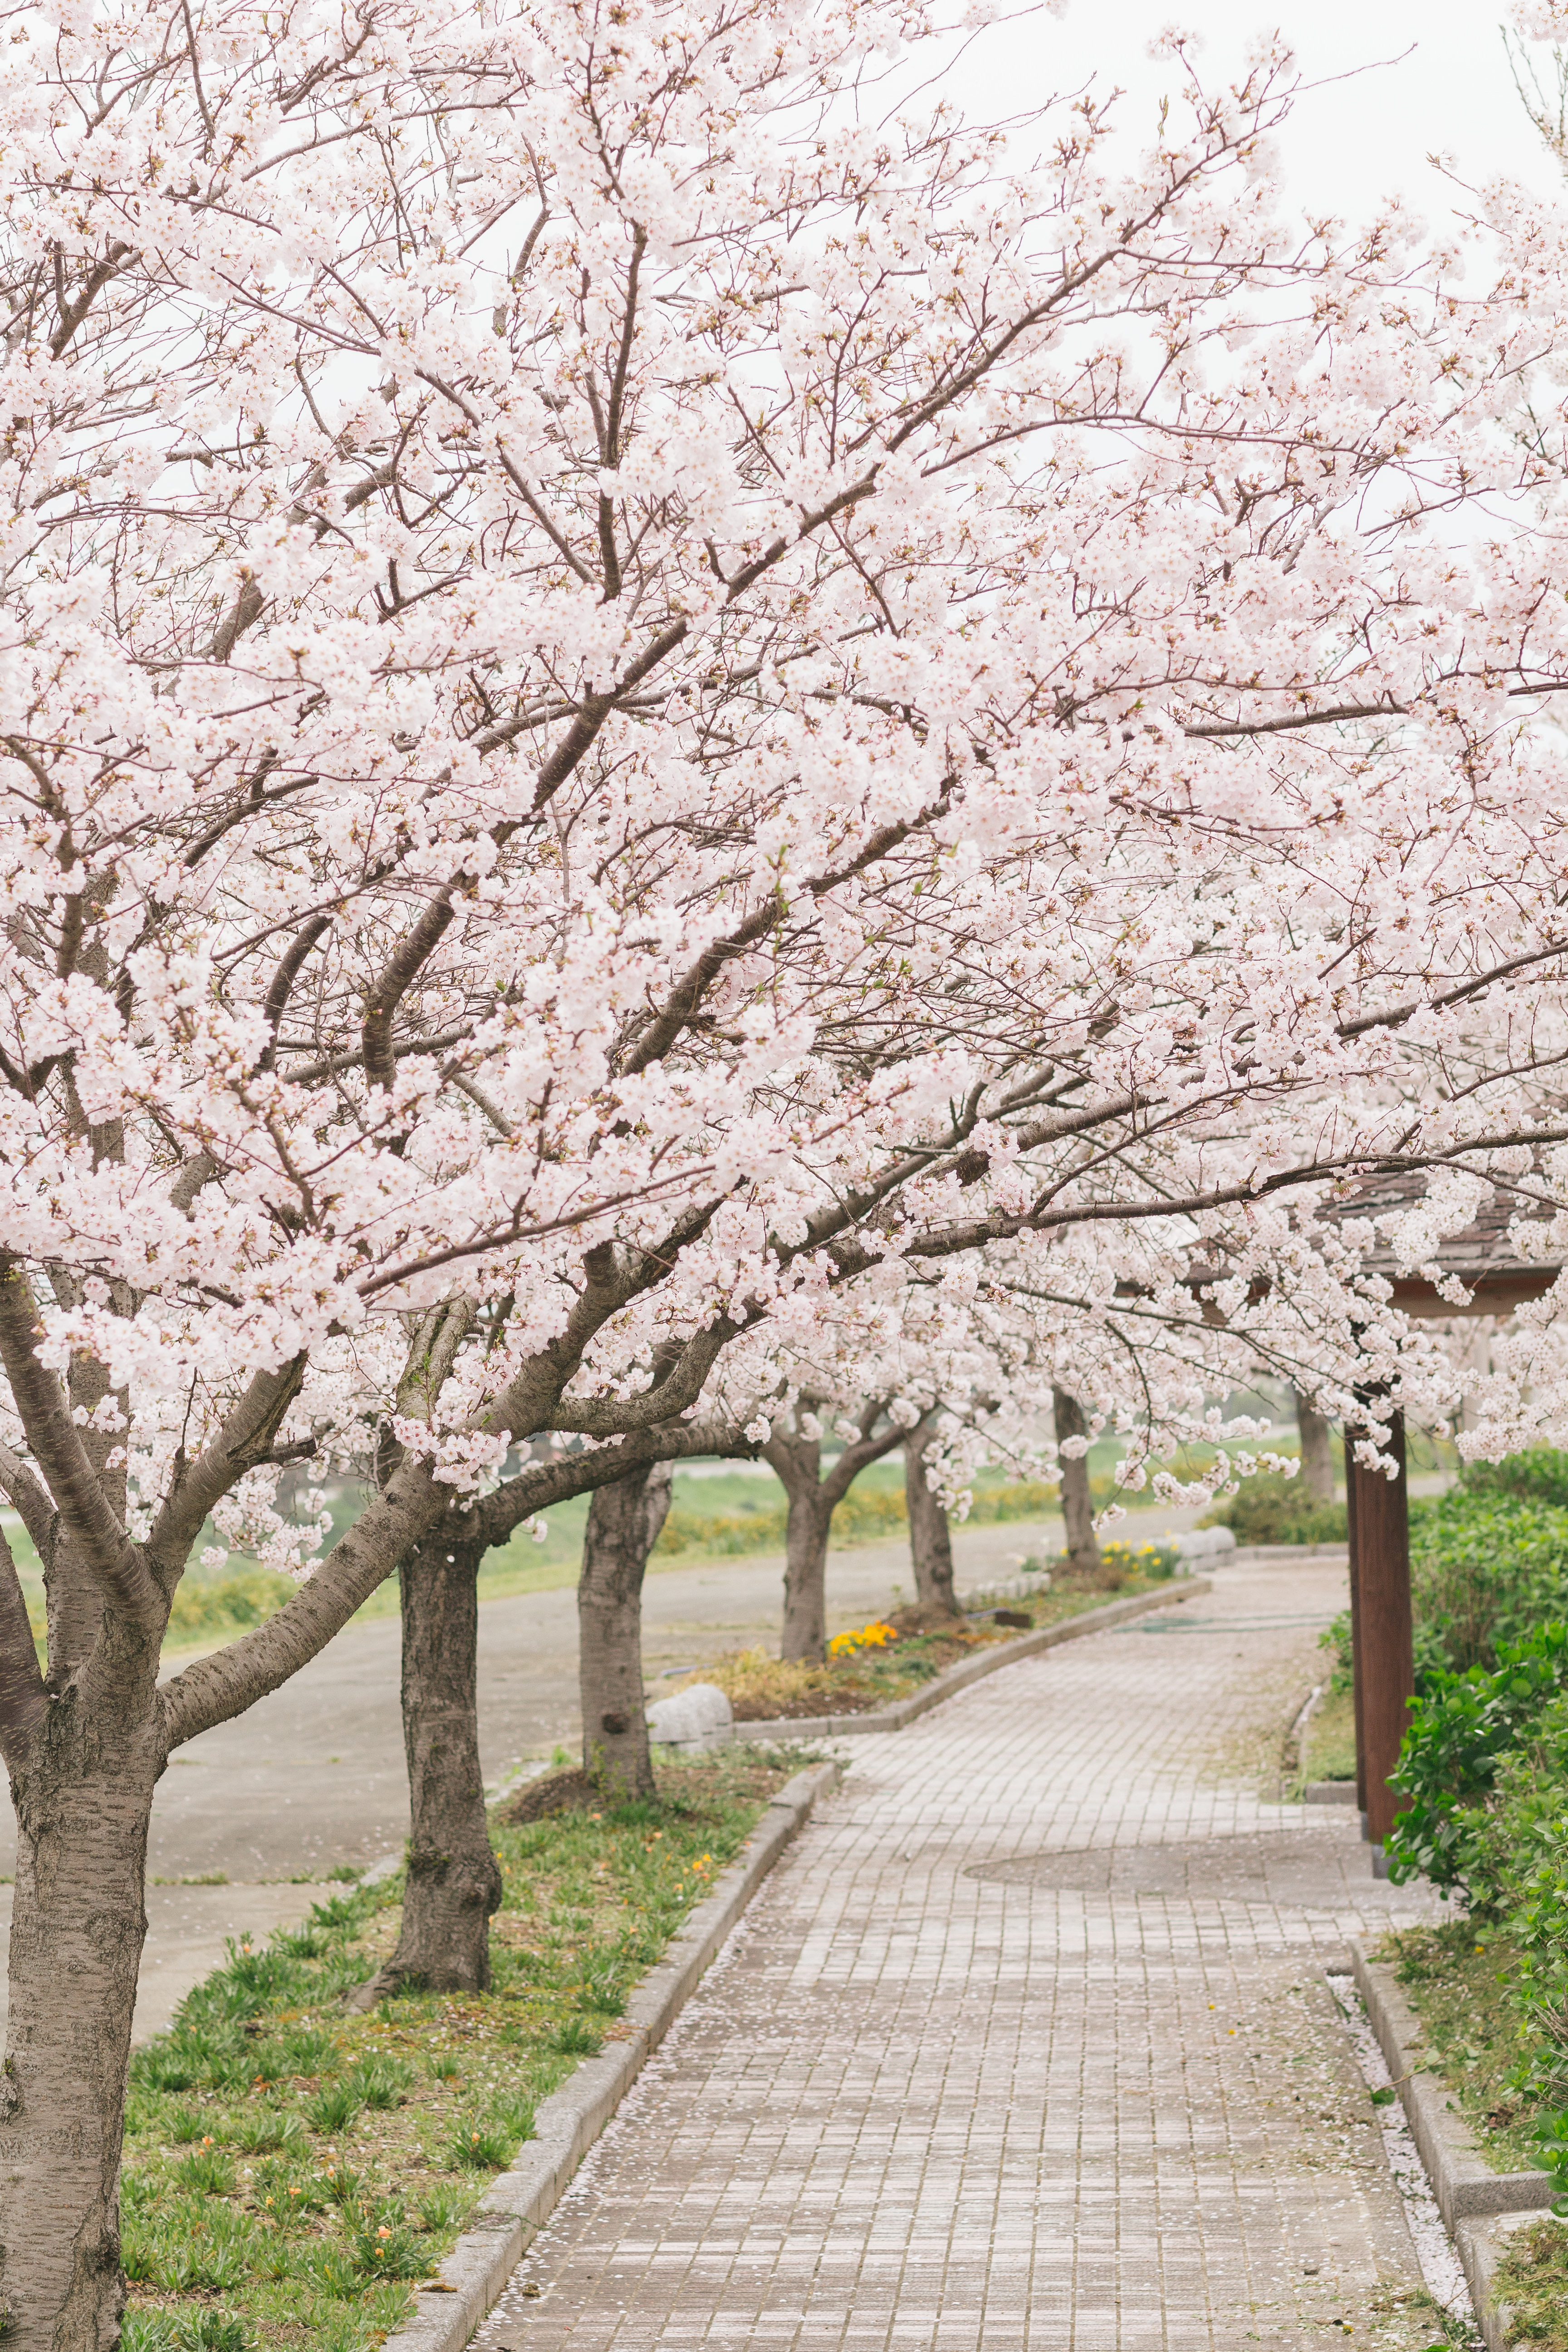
{"x":1025,"y":2043}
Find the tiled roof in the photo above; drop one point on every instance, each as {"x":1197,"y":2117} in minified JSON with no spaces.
{"x":1482,"y":1251}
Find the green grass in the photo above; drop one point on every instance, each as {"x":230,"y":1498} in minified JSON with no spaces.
{"x":1532,"y":2279}
{"x":1457,"y":1979}
{"x":1330,"y":1739}
{"x":293,"y":2168}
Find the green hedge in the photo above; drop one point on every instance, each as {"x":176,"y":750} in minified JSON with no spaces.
{"x":1484,"y":1764}
{"x":1274,"y":1509}
{"x":1488,"y":1566}
{"x":1484,"y":1767}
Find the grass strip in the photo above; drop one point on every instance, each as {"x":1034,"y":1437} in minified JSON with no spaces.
{"x":293,"y":2166}
{"x":1330,"y":1738}
{"x":1458,"y":1978}
{"x":1531,"y":2279}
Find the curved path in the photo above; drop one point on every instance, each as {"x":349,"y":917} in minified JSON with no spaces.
{"x":1025,"y":2045}
{"x":314,"y":1777}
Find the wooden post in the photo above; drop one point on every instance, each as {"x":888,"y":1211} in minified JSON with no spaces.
{"x":1355,"y":1623}
{"x":1379,"y":1520}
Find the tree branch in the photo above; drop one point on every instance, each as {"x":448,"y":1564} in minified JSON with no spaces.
{"x":282,"y":982}
{"x":85,"y":1515}
{"x":856,"y":1458}
{"x":215,"y":1689}
{"x":543,"y":1484}
{"x":391,"y":984}
{"x":680,"y":1387}
{"x":244,"y":1441}
{"x":32,"y":1504}
{"x":689,"y":989}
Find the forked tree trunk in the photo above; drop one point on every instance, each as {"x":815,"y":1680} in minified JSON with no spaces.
{"x":931,"y":1540}
{"x":1078,"y":1510}
{"x":1316,"y":1471}
{"x":83,"y":1802}
{"x":624,"y":1524}
{"x":454,"y":1879}
{"x":813,"y":1499}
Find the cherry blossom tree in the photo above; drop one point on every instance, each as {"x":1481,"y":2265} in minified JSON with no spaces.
{"x":632,"y":702}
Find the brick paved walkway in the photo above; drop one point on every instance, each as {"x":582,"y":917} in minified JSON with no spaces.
{"x":1025,"y":2045}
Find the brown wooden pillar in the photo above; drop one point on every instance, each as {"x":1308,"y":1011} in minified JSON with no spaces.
{"x":1379,"y":1522}
{"x":1355,"y":1623}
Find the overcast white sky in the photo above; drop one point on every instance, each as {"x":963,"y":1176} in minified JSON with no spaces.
{"x":1346,"y":146}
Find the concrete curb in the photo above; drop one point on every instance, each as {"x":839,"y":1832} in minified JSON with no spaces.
{"x":1480,"y":2245}
{"x":1340,"y":1551}
{"x":771,"y":1728}
{"x":569,"y":2122}
{"x":1463,"y":2182}
{"x":1328,"y":1792}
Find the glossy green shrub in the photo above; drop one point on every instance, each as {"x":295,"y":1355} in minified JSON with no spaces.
{"x":1539,"y":1475}
{"x":1461,"y":1729}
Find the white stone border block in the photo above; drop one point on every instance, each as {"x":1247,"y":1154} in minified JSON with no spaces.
{"x":1463,"y":2182}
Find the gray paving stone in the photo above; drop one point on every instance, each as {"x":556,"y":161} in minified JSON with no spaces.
{"x":1025,"y":2045}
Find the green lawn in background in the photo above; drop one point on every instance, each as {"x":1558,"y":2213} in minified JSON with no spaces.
{"x":734,"y":1513}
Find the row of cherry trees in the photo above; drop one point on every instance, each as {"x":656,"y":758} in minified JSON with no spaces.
{"x":677,"y":753}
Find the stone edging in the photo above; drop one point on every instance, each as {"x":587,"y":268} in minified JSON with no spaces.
{"x":770,"y":1728}
{"x":1478,"y":2206}
{"x":568,"y":2123}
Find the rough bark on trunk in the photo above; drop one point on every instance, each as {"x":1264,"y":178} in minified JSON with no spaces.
{"x":1316,"y":1471}
{"x":623,"y":1523}
{"x":454,"y":1879}
{"x":804,"y":1634}
{"x":84,"y":1749}
{"x":1078,"y":1510}
{"x":83,"y":1799}
{"x":931,"y":1540}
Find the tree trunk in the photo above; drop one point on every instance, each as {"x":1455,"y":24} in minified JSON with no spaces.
{"x":454,"y":1880}
{"x":806,"y":1575}
{"x":1316,"y":1471}
{"x":83,"y":1799}
{"x":931,"y":1540}
{"x":623,"y":1523}
{"x":1078,"y":1510}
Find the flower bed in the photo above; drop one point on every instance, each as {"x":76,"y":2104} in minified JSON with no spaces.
{"x":874,"y":1664}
